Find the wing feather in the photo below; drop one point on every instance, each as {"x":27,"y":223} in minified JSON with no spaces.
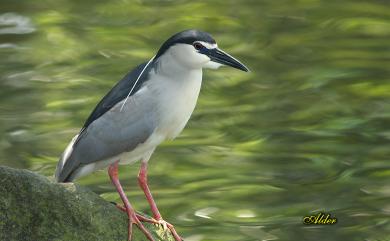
{"x":108,"y":131}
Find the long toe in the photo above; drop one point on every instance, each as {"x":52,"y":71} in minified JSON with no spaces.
{"x":164,"y":224}
{"x":135,"y":220}
{"x":171,"y":228}
{"x":120,"y":207}
{"x":129,"y":230}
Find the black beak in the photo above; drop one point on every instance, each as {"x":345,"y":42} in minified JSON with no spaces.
{"x":221,"y":57}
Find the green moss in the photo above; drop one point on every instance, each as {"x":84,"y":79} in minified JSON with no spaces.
{"x":32,"y":207}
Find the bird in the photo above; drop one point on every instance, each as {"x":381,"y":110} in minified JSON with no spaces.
{"x":150,"y":104}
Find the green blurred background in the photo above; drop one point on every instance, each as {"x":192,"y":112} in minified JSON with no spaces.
{"x":306,"y":131}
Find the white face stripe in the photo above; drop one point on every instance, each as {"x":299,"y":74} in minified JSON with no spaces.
{"x":186,"y":55}
{"x":208,"y":45}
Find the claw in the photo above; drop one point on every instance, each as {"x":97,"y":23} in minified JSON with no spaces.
{"x":163,"y":224}
{"x":167,"y":227}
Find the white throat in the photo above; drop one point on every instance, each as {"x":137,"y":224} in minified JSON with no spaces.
{"x":175,"y":89}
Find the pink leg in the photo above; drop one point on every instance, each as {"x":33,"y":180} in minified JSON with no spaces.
{"x":143,"y":182}
{"x":113,"y":172}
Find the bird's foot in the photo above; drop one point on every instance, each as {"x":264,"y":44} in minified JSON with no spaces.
{"x":167,"y":227}
{"x":133,"y":219}
{"x":164,"y":224}
{"x":136,"y":219}
{"x":139,"y":216}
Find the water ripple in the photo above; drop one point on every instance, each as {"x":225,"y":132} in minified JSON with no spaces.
{"x":12,"y":23}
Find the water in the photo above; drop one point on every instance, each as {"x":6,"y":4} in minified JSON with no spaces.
{"x":306,"y":131}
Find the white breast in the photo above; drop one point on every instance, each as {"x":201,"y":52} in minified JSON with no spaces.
{"x":176,"y":96}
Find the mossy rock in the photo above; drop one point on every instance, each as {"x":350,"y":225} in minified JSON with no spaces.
{"x":33,"y":207}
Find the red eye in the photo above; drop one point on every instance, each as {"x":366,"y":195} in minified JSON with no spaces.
{"x":197,"y":46}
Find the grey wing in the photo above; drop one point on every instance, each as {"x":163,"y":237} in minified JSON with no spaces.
{"x":120,"y":91}
{"x":96,"y":140}
{"x":115,"y":132}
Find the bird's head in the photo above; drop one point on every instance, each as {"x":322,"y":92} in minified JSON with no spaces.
{"x":196,"y":49}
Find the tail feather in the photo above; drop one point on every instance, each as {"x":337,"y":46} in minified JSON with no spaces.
{"x":62,"y":174}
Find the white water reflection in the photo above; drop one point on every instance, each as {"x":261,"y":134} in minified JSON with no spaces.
{"x":12,"y":23}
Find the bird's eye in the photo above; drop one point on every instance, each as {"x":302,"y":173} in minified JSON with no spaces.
{"x":197,"y":45}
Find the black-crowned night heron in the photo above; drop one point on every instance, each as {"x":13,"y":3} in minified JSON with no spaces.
{"x":149,"y":105}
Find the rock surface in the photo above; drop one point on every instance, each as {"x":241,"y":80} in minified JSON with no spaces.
{"x":32,"y":207}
